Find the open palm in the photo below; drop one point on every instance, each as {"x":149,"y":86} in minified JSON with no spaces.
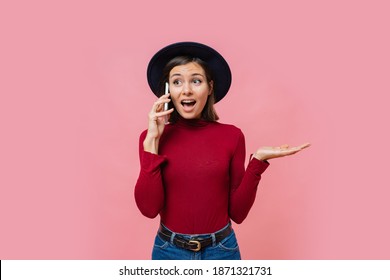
{"x":265,"y":153}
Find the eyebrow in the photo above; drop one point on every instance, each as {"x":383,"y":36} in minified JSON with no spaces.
{"x":195,"y":74}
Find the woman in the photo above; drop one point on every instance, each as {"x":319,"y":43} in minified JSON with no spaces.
{"x":192,"y":168}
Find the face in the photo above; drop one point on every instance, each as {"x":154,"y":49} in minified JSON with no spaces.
{"x":189,"y":89}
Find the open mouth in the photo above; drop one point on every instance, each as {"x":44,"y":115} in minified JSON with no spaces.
{"x":188,"y":104}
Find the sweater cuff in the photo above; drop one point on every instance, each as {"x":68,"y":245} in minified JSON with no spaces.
{"x":258,"y":166}
{"x":151,"y":162}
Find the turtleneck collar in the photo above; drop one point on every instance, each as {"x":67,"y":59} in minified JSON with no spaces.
{"x":191,"y":122}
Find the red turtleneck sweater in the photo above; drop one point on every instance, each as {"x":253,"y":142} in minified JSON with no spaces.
{"x":198,"y":182}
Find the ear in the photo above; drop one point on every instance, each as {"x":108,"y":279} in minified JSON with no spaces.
{"x":211,"y":84}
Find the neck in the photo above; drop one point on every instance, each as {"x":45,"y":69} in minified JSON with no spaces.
{"x":191,"y":122}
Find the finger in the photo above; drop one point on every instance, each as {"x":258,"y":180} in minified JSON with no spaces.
{"x":158,"y":105}
{"x":162,"y":101}
{"x":289,"y":152}
{"x":306,"y":145}
{"x":298,"y":148}
{"x":164,"y":113}
{"x":154,"y":114}
{"x":293,"y":150}
{"x":164,"y":96}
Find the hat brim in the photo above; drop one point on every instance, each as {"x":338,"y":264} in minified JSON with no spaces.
{"x":216,"y":63}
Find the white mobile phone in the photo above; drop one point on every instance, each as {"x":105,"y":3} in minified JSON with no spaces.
{"x":166,"y":104}
{"x":166,"y":92}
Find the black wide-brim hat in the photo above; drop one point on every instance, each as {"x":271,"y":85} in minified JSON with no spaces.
{"x":216,"y":63}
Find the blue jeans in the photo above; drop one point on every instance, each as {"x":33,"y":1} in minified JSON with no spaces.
{"x":227,"y":249}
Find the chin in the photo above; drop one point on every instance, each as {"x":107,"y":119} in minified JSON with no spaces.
{"x":189,"y":116}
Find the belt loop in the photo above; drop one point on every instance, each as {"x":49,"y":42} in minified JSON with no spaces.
{"x":213,"y":239}
{"x":172,"y":237}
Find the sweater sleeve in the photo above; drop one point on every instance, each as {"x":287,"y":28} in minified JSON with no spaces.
{"x":243,"y":183}
{"x":149,"y":189}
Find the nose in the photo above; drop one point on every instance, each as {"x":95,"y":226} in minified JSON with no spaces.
{"x":186,"y":89}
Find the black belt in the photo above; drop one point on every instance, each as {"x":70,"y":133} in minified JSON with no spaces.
{"x":195,"y":243}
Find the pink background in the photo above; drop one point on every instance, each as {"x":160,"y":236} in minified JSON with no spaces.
{"x":74,"y":98}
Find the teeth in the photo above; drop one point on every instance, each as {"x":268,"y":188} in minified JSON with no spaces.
{"x":188,"y":101}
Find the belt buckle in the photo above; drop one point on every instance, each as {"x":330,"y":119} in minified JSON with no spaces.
{"x":198,"y":245}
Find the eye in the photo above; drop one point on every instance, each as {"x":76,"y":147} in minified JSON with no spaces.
{"x":197,"y":81}
{"x":176,"y":82}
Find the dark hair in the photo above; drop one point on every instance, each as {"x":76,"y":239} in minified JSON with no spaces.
{"x":208,"y":113}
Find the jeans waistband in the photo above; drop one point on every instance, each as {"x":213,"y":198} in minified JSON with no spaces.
{"x":194,"y":242}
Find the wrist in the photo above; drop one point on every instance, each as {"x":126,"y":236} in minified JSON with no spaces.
{"x":260,"y":156}
{"x":151,"y":145}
